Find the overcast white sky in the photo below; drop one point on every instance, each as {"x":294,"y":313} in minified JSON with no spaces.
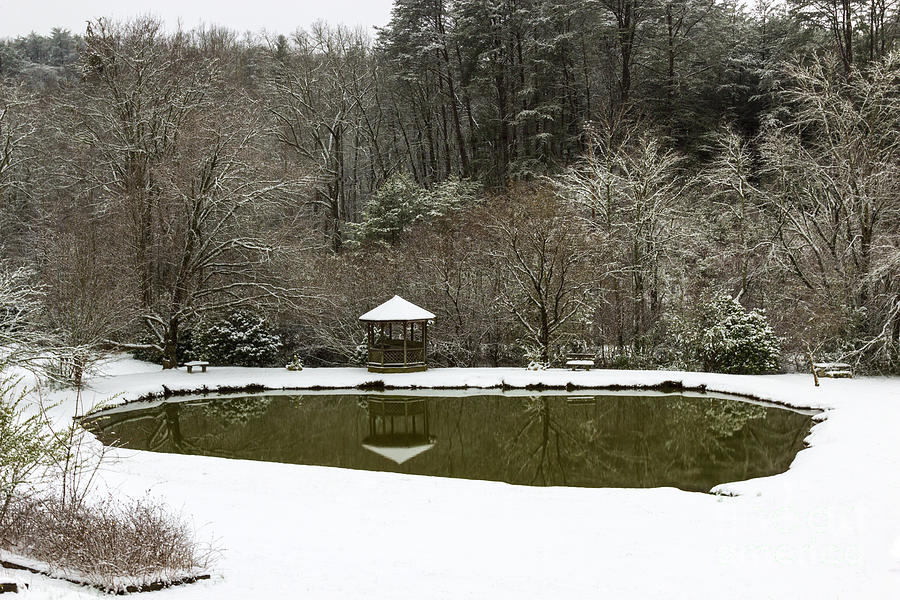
{"x":19,"y":17}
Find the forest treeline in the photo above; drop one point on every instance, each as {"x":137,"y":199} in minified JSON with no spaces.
{"x":540,"y":174}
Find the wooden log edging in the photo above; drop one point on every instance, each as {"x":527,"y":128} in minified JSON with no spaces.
{"x":131,"y":589}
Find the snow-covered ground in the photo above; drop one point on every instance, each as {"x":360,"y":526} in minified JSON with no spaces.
{"x":828,"y":528}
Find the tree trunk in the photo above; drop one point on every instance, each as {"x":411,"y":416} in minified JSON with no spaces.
{"x":895,"y":338}
{"x":670,"y":51}
{"x":626,"y":41}
{"x":451,"y":93}
{"x":504,"y":137}
{"x":545,"y":338}
{"x":170,"y":345}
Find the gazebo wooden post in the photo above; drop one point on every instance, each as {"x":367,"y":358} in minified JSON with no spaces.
{"x":404,"y":342}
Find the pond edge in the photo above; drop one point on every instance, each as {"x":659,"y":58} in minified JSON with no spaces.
{"x":378,"y":385}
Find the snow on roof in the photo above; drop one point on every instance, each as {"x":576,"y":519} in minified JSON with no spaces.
{"x":397,"y":309}
{"x":399,"y":454}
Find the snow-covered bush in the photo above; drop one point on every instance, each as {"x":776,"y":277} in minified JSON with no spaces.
{"x":295,"y":365}
{"x":240,"y":339}
{"x":110,"y":543}
{"x":22,"y":337}
{"x":400,"y":202}
{"x":726,"y":338}
{"x":53,"y":518}
{"x":361,"y":355}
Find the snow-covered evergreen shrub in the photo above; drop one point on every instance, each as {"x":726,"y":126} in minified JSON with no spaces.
{"x":391,"y":209}
{"x":535,"y":361}
{"x":729,"y":339}
{"x":449,"y":197}
{"x":361,"y":355}
{"x":295,"y":365}
{"x":400,"y":202}
{"x":240,"y":339}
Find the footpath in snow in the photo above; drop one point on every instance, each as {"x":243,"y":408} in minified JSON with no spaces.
{"x":827,"y":528}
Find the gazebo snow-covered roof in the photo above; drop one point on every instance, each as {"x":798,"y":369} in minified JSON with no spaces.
{"x":397,"y":309}
{"x":397,"y":337}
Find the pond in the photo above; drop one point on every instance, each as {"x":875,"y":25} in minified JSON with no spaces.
{"x":596,"y":439}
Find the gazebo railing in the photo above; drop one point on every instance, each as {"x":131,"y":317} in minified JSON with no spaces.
{"x":396,"y":356}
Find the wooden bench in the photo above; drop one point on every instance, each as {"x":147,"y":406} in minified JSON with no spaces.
{"x":833,"y":369}
{"x":580,"y":360}
{"x":196,"y":363}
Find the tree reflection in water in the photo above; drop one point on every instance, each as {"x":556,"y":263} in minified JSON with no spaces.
{"x":594,"y":441}
{"x":640,"y":442}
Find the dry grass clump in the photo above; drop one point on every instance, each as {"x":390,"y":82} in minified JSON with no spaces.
{"x":111,"y":544}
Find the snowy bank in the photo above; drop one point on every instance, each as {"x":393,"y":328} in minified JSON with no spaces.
{"x":827,"y":528}
{"x":119,"y":385}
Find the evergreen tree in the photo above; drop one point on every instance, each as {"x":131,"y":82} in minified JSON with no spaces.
{"x":726,"y":338}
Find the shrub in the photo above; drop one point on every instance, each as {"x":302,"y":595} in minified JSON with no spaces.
{"x":728,"y":339}
{"x":26,"y":449}
{"x":110,"y":544}
{"x":240,"y":339}
{"x":72,"y":533}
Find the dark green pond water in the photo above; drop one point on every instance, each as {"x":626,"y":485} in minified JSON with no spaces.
{"x":597,"y":440}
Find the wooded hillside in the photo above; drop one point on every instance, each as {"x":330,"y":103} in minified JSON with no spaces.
{"x":541,"y":174}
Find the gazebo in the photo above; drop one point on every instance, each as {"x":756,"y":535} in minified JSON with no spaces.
{"x":397,"y":337}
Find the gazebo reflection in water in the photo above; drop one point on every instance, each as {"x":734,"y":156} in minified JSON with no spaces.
{"x":399,"y":428}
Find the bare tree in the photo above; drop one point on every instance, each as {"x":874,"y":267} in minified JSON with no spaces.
{"x":14,"y":131}
{"x":142,"y":87}
{"x":540,"y":246}
{"x":630,"y":190}
{"x":836,"y":182}
{"x":224,"y":227}
{"x":17,"y":130}
{"x":182,"y":155}
{"x":321,"y":94}
{"x":738,"y":203}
